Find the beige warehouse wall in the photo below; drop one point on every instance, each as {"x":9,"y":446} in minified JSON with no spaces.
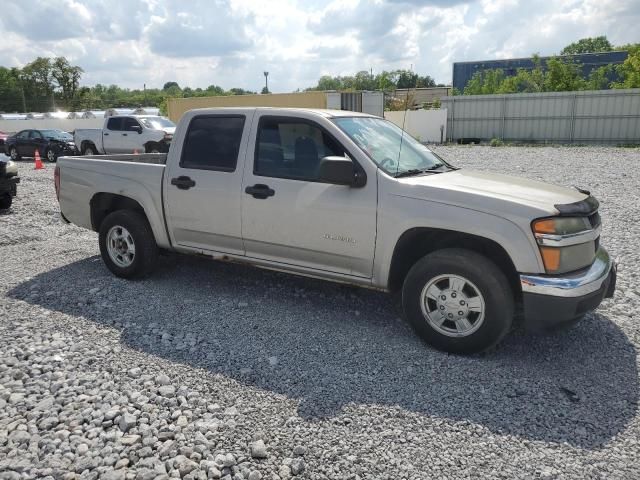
{"x":177,"y":106}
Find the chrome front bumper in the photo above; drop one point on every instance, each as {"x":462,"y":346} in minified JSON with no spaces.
{"x":572,"y":285}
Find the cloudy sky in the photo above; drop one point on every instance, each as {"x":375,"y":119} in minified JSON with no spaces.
{"x":231,"y":42}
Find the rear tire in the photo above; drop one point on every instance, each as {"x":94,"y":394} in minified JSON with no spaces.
{"x":127,"y":244}
{"x":13,"y":153}
{"x":458,"y":301}
{"x":88,"y":149}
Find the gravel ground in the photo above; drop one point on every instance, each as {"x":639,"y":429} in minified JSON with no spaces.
{"x":211,"y":370}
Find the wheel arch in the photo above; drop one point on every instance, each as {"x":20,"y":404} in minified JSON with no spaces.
{"x":415,"y":243}
{"x":103,"y":203}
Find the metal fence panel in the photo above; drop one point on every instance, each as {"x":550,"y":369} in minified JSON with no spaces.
{"x":603,"y":116}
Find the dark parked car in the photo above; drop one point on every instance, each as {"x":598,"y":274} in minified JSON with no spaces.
{"x":8,"y":182}
{"x":50,"y":143}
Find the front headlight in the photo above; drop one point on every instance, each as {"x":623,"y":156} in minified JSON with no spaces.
{"x":566,"y":243}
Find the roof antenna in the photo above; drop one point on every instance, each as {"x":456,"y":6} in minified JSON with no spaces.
{"x":404,"y":119}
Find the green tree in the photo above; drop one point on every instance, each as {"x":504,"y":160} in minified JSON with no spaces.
{"x":66,"y":77}
{"x":485,"y":82}
{"x":588,"y":45}
{"x":563,"y":76}
{"x":629,"y":70}
{"x":168,"y":85}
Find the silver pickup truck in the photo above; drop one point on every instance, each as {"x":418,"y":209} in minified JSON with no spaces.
{"x":351,"y":198}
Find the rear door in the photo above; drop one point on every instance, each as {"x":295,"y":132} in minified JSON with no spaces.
{"x":291,"y":217}
{"x":112,"y":136}
{"x":202,"y":187}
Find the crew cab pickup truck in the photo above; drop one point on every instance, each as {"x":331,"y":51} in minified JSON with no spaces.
{"x":351,"y":198}
{"x":126,"y":134}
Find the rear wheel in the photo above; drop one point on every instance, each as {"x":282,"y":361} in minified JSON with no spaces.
{"x":458,"y":301}
{"x":88,"y":149}
{"x":13,"y":153}
{"x":127,"y":244}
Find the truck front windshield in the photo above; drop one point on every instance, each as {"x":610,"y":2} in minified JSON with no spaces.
{"x":395,"y":152}
{"x":157,"y":123}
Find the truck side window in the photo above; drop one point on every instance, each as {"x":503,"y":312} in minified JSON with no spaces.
{"x":114,"y":124}
{"x":292,"y":148}
{"x":130,"y":124}
{"x":213,"y":142}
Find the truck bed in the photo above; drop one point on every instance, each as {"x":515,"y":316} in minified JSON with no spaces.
{"x":137,"y":177}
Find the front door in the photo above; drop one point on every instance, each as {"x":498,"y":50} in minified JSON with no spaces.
{"x":202,"y":188}
{"x":132,"y":136}
{"x":289,"y":216}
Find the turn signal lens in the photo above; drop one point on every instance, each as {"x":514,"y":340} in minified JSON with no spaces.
{"x":545,"y":226}
{"x":550,"y":258}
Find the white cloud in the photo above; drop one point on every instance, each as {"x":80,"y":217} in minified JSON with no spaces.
{"x":231,"y":42}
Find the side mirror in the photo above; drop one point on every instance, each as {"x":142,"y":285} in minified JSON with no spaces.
{"x":338,"y":170}
{"x":136,"y":128}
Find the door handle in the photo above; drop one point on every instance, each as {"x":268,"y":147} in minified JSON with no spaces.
{"x":260,"y":191}
{"x":124,"y":134}
{"x":105,"y":134}
{"x":183,"y":183}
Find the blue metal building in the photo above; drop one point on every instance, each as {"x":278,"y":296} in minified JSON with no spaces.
{"x":463,"y":71}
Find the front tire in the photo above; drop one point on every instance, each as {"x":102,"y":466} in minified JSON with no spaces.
{"x":127,"y":244}
{"x":458,"y":301}
{"x":50,"y":155}
{"x":5,"y":201}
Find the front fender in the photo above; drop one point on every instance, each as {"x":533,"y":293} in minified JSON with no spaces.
{"x":399,"y":214}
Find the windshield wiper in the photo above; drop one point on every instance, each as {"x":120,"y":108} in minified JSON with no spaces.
{"x":418,"y":171}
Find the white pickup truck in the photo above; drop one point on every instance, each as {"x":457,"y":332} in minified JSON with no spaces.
{"x":126,"y":134}
{"x":349,"y":197}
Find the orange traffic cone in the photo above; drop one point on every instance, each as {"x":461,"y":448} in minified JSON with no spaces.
{"x":39,"y":164}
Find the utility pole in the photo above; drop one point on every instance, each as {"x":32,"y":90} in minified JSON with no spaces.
{"x":266,"y":82}
{"x":24,"y":102}
{"x":144,"y":87}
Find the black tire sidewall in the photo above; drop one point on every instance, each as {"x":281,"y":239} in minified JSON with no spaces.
{"x":46,"y":155}
{"x":143,"y":239}
{"x":489,"y":279}
{"x":5,"y":201}
{"x":17,"y":154}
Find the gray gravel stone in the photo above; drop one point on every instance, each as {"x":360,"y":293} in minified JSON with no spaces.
{"x":258,"y":449}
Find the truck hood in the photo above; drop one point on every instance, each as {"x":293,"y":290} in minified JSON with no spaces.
{"x":489,"y":191}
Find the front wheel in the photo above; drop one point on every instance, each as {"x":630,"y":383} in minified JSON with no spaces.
{"x":458,"y":301}
{"x":5,"y":201}
{"x":127,"y":244}
{"x":50,"y":155}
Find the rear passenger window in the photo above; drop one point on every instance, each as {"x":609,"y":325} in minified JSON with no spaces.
{"x":114,"y":124}
{"x":213,"y":143}
{"x":292,"y":148}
